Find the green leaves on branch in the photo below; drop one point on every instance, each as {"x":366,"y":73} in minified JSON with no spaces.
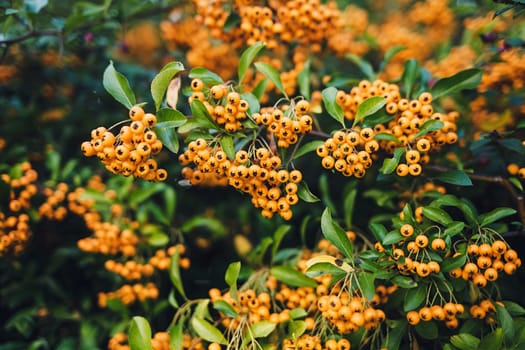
{"x":272,"y":74}
{"x":409,"y":77}
{"x":208,"y":77}
{"x":455,"y":177}
{"x":466,"y":79}
{"x":139,"y":334}
{"x":162,"y":80}
{"x":117,"y":85}
{"x":247,"y":58}
{"x":335,"y":110}
{"x":336,"y":235}
{"x":207,"y":331}
{"x":292,"y":277}
{"x":369,"y":107}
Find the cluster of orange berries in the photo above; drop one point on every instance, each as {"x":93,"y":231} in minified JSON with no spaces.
{"x":228,"y":109}
{"x":162,"y":257}
{"x":485,"y":309}
{"x":349,"y":152}
{"x":314,"y":342}
{"x":129,"y":152}
{"x":447,"y":312}
{"x":109,"y":238}
{"x":485,"y":262}
{"x":130,"y":270}
{"x":272,"y":189}
{"x":286,"y":128}
{"x":22,"y":188}
{"x":160,"y":341}
{"x":514,"y":169}
{"x":128,"y":294}
{"x":52,"y":208}
{"x":14,"y":233}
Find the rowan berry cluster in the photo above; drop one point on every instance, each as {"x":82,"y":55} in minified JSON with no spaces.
{"x":287,"y":126}
{"x":349,"y":152}
{"x":129,"y":152}
{"x":258,"y":173}
{"x":486,"y":260}
{"x":53,"y":208}
{"x":128,"y":294}
{"x":447,"y":313}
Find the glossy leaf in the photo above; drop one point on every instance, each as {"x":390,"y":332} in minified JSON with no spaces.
{"x":176,"y":336}
{"x":139,"y":334}
{"x":392,"y":237}
{"x":333,"y":109}
{"x":409,"y":77}
{"x":296,"y":328}
{"x":349,"y":204}
{"x":247,"y":58}
{"x":450,"y":264}
{"x":365,"y":67}
{"x":335,"y":234}
{"x":271,"y":73}
{"x":324,"y":268}
{"x":201,"y":115}
{"x":391,"y":52}
{"x":429,"y":126}
{"x":303,"y":80}
{"x":225,"y":307}
{"x":208,"y":77}
{"x":227,"y":146}
{"x":465,"y":341}
{"x":427,"y":330}
{"x":278,"y":236}
{"x":305,"y":194}
{"x":232,"y":273}
{"x":117,"y":86}
{"x":169,"y":118}
{"x":495,"y":215}
{"x":366,"y":283}
{"x":467,"y":79}
{"x":493,"y":340}
{"x":174,"y":273}
{"x":390,"y":164}
{"x":455,"y":177}
{"x":414,"y":298}
{"x":292,"y":277}
{"x":369,"y":107}
{"x":168,"y":137}
{"x":378,"y":230}
{"x":437,"y":215}
{"x":454,"y":228}
{"x":506,"y":322}
{"x":307,"y":148}
{"x":162,"y":80}
{"x":262,"y":329}
{"x":207,"y":331}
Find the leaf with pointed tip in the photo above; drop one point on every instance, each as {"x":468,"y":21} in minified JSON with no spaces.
{"x":247,"y":58}
{"x":455,"y":177}
{"x":139,"y":334}
{"x":335,"y":110}
{"x":369,"y":107}
{"x":208,"y":77}
{"x":466,"y":79}
{"x":118,"y":86}
{"x":292,"y":277}
{"x":271,"y":73}
{"x":160,"y":83}
{"x":207,"y":331}
{"x":409,"y":77}
{"x":335,"y":234}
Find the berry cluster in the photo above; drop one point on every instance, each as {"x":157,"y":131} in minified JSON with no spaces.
{"x":447,"y":313}
{"x":307,"y":341}
{"x":257,"y":173}
{"x":53,"y":208}
{"x":514,"y":169}
{"x":110,"y":239}
{"x":160,"y":341}
{"x":485,"y":309}
{"x":349,"y":152}
{"x":129,"y":152}
{"x":128,"y":294}
{"x":285,"y":126}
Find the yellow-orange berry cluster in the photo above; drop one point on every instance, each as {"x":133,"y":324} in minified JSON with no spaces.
{"x":130,"y":270}
{"x":486,"y":261}
{"x":162,"y":257}
{"x":22,"y":187}
{"x":485,"y":309}
{"x":349,"y":152}
{"x":129,"y":152}
{"x":160,"y":341}
{"x":514,"y":169}
{"x":258,"y":173}
{"x":227,"y":108}
{"x":110,"y":239}
{"x":286,"y":127}
{"x":307,"y":341}
{"x":14,"y":233}
{"x":53,"y":208}
{"x":447,"y":313}
{"x":128,"y":294}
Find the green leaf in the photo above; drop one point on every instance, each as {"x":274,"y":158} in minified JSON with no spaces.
{"x":292,"y":277}
{"x":232,"y":273}
{"x":366,"y":283}
{"x":260,"y":88}
{"x":506,"y":322}
{"x":378,"y":230}
{"x":158,"y":239}
{"x":493,"y":340}
{"x":427,"y":330}
{"x":454,"y":228}
{"x":176,"y":336}
{"x":369,"y":107}
{"x":227,"y":146}
{"x":117,"y":86}
{"x":396,"y":332}
{"x":392,"y":237}
{"x":208,"y":77}
{"x":225,"y":307}
{"x":335,"y":234}
{"x":386,"y":136}
{"x":303,"y":80}
{"x":34,"y":6}
{"x":324,"y":268}
{"x":455,"y":177}
{"x":437,"y":215}
{"x":215,"y":226}
{"x":201,"y":115}
{"x":162,"y":80}
{"x":296,"y":328}
{"x":174,"y":273}
{"x":465,"y":341}
{"x":364,"y":66}
{"x":514,"y":309}
{"x":169,"y":118}
{"x":404,"y":282}
{"x":450,"y":264}
{"x":253,"y":102}
{"x":298,"y":313}
{"x":428,"y":126}
{"x":247,"y":58}
{"x":262,"y":329}
{"x":139,"y":334}
{"x":467,"y":79}
{"x":168,"y":137}
{"x":278,"y":236}
{"x":495,"y":215}
{"x":414,"y":298}
{"x":335,"y":110}
{"x":271,"y":73}
{"x":513,"y":145}
{"x":207,"y":331}
{"x":409,"y":77}
{"x":391,"y":52}
{"x":390,"y":164}
{"x":349,"y":204}
{"x":307,"y":148}
{"x":305,"y":194}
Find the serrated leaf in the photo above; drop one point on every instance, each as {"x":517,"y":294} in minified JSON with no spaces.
{"x":331,"y":106}
{"x":117,"y":86}
{"x":465,"y":341}
{"x":139,"y":334}
{"x":272,"y":74}
{"x":414,"y":298}
{"x":227,"y":146}
{"x":160,"y":83}
{"x":366,"y":283}
{"x":466,"y":79}
{"x":303,"y":80}
{"x":247,"y":58}
{"x":495,"y":215}
{"x":292,"y":277}
{"x":168,"y":137}
{"x":207,"y":331}
{"x":409,"y":77}
{"x":369,"y":107}
{"x":455,"y":177}
{"x":335,"y":234}
{"x":208,"y":77}
{"x":262,"y":329}
{"x":429,"y":126}
{"x":437,"y":215}
{"x":174,"y":274}
{"x":305,"y":194}
{"x":307,"y":148}
{"x":390,"y":164}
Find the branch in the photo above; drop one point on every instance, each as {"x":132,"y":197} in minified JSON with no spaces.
{"x":31,"y":34}
{"x":518,"y":198}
